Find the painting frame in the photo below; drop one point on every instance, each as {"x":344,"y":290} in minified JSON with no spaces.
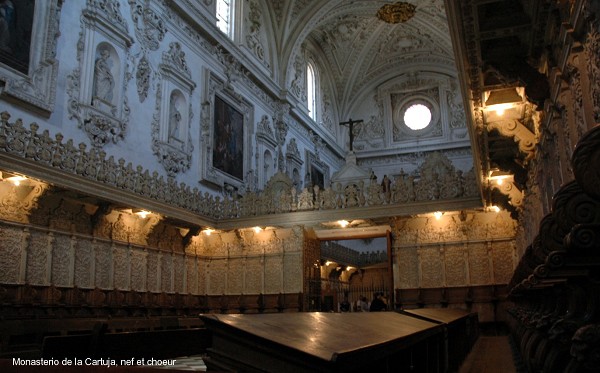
{"x":227,"y":126}
{"x":317,"y":172}
{"x":34,"y":85}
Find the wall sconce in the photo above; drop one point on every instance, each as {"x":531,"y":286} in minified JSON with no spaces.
{"x":438,"y":215}
{"x":141,"y":213}
{"x":16,"y":180}
{"x":503,"y":99}
{"x":493,"y":208}
{"x":343,"y":223}
{"x":499,"y":177}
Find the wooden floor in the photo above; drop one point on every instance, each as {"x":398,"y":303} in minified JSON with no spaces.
{"x":491,"y":354}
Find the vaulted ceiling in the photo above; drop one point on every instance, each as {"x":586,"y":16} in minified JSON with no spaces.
{"x":359,"y":49}
{"x":494,"y":47}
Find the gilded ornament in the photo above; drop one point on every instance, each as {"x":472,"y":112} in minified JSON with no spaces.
{"x":397,"y":12}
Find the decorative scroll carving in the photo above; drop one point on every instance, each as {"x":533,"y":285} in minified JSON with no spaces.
{"x":171,"y":139}
{"x":521,"y":134}
{"x":253,"y":39}
{"x":97,"y":88}
{"x":149,"y":27}
{"x":93,"y":165}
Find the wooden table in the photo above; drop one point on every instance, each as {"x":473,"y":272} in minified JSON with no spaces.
{"x":461,"y":327}
{"x":324,"y":342}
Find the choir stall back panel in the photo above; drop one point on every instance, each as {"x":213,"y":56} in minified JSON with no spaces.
{"x":324,"y":342}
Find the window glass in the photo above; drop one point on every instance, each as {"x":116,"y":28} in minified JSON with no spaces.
{"x":311,"y":95}
{"x":224,"y":16}
{"x":417,"y":117}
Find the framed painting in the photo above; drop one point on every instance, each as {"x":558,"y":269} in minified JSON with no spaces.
{"x":227,"y":129}
{"x":29,"y":31}
{"x":317,"y":171}
{"x":228,"y":139}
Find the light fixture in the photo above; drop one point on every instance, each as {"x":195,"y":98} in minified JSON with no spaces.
{"x":349,"y":268}
{"x":438,"y":215}
{"x":494,"y":208}
{"x":501,"y":100}
{"x":207,"y":231}
{"x":16,"y":180}
{"x":257,"y":229}
{"x":142,"y":213}
{"x":499,"y":177}
{"x":343,"y":223}
{"x":327,"y":263}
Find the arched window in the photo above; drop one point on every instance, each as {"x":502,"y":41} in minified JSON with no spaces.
{"x":311,"y":91}
{"x":225,"y":16}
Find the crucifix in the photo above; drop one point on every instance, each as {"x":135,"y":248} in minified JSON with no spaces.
{"x":351,"y":124}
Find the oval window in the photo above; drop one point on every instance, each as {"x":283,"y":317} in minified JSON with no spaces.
{"x":417,"y":117}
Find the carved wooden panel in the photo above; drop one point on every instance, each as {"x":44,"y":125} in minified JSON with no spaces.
{"x":455,"y":265}
{"x":292,"y":272}
{"x":178,"y":274}
{"x":254,"y":275}
{"x":407,"y":261}
{"x":38,"y":259}
{"x":479,"y":267}
{"x":138,"y":270}
{"x":273,"y":275}
{"x":166,"y":272}
{"x":121,"y":267}
{"x":235,"y":276}
{"x":153,"y":268}
{"x":103,"y":269}
{"x":61,"y":261}
{"x":217,"y":273}
{"x":431,"y":267}
{"x":11,"y":254}
{"x":191,"y":266}
{"x":503,"y":254}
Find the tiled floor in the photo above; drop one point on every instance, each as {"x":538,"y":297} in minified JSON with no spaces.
{"x":491,"y":354}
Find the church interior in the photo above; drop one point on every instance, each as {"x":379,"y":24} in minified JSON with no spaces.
{"x":248,"y":177}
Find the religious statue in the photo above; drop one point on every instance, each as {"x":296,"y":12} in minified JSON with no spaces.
{"x":104,"y":81}
{"x":174,"y":120}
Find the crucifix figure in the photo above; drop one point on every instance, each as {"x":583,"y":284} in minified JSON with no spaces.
{"x":351,"y":124}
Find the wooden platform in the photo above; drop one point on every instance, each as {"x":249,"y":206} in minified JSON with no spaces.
{"x":324,"y":342}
